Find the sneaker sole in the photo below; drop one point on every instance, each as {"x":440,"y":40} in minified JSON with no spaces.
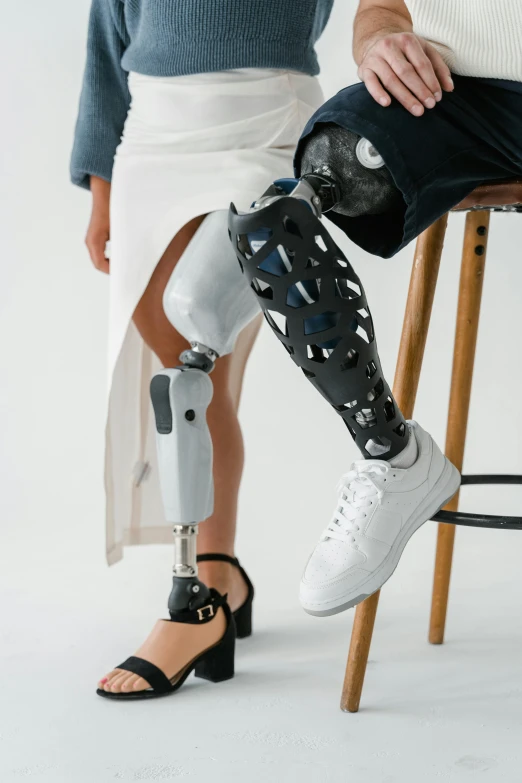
{"x":445,"y":488}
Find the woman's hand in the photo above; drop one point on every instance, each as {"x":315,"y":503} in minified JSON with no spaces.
{"x":98,"y":233}
{"x":411,"y":70}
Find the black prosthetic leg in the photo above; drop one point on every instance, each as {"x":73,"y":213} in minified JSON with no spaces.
{"x":315,"y":304}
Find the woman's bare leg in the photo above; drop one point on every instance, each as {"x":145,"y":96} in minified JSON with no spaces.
{"x":239,"y":358}
{"x":217,"y":534}
{"x":169,"y":645}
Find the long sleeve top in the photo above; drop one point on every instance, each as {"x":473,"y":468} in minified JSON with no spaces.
{"x":174,"y":38}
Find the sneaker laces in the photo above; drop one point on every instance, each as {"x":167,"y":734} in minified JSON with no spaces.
{"x":358,"y":489}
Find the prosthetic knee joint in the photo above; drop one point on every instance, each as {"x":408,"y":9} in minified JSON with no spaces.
{"x":310,"y":295}
{"x":209,"y":302}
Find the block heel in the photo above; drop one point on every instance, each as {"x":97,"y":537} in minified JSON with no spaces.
{"x":217,"y":664}
{"x":243,"y":615}
{"x":243,"y":619}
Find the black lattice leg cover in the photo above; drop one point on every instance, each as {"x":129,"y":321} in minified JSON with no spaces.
{"x":316,"y":305}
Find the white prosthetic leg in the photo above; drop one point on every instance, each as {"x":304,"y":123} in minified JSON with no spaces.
{"x":209,"y":302}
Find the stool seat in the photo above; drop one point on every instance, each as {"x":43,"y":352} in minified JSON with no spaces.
{"x":505,"y":194}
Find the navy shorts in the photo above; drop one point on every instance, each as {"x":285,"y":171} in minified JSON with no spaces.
{"x":473,"y":135}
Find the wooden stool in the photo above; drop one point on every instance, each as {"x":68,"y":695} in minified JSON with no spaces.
{"x":497,"y":196}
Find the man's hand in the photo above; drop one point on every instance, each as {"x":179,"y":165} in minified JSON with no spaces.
{"x":98,"y":233}
{"x":407,"y":67}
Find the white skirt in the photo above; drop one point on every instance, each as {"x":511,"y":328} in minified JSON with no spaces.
{"x":191,"y":145}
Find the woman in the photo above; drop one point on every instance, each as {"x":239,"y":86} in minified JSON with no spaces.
{"x":210,"y":96}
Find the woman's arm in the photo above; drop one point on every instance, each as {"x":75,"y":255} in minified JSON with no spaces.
{"x":105,"y":98}
{"x":99,"y":230}
{"x":393,"y":61}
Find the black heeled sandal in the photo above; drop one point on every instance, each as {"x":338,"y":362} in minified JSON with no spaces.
{"x":243,"y":615}
{"x":216,"y":663}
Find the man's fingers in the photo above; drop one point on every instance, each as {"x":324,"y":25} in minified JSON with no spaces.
{"x":407,"y":68}
{"x":398,"y":89}
{"x":440,"y":68}
{"x":411,"y":79}
{"x":423,"y":66}
{"x":404,"y":54}
{"x":374,"y":86}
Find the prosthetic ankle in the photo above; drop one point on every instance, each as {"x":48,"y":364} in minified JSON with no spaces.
{"x":310,"y":295}
{"x":209,"y":302}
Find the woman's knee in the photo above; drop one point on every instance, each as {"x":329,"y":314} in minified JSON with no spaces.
{"x":156,"y":330}
{"x":149,"y":316}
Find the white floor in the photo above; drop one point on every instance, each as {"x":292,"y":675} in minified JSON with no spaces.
{"x":428,"y":714}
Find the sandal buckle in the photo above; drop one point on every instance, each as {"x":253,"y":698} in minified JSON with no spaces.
{"x":203,"y":609}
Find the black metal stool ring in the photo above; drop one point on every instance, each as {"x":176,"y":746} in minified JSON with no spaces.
{"x":483,"y":520}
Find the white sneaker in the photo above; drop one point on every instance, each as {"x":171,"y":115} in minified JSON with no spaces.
{"x":379,"y":509}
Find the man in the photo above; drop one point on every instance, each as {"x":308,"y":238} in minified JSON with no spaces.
{"x":438,"y":112}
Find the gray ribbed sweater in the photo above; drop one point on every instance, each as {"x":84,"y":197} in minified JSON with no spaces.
{"x":177,"y":37}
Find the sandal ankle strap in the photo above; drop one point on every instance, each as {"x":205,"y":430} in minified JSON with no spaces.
{"x":202,"y":615}
{"x":209,"y":556}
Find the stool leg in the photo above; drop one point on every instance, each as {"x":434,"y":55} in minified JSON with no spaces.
{"x":470,"y":294}
{"x":423,"y":281}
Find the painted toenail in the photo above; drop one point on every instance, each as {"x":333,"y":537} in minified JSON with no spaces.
{"x":104,"y":680}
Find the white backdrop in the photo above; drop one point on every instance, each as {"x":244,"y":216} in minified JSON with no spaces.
{"x":53,"y":318}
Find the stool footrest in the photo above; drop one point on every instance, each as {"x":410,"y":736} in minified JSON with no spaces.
{"x":483,"y":520}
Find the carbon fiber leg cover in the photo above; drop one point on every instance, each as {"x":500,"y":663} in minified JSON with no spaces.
{"x":315,"y":304}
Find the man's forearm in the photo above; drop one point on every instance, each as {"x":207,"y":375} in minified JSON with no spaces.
{"x":373,"y":23}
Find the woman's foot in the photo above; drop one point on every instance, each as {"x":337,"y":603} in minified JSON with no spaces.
{"x":171,"y":647}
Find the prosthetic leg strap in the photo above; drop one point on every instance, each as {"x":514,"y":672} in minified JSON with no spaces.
{"x":315,"y":304}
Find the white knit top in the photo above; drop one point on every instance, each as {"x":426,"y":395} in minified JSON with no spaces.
{"x":475,"y":37}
